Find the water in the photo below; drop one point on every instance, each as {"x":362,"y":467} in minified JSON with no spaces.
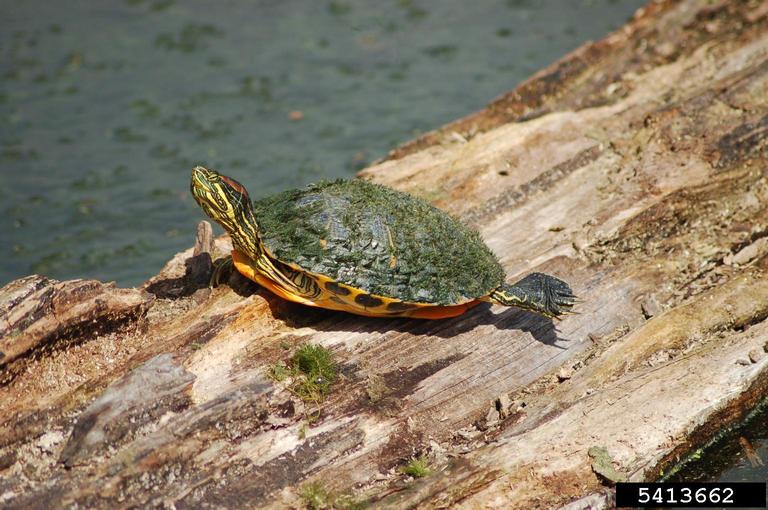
{"x":738,"y":455}
{"x":106,"y":106}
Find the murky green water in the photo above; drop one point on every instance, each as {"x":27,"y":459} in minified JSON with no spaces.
{"x":106,"y":105}
{"x":740,"y":455}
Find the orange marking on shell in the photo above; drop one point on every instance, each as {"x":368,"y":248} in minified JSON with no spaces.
{"x":246,"y":267}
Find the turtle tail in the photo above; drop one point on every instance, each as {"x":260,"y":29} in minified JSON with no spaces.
{"x":537,"y":292}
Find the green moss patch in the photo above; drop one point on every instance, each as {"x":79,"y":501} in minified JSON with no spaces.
{"x":312,"y":371}
{"x":316,"y":497}
{"x":417,"y":467}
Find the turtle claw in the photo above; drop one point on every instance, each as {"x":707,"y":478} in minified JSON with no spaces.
{"x":540,"y":293}
{"x":221,"y":267}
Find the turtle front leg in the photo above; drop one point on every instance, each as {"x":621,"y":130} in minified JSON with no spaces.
{"x":537,"y":292}
{"x":221,"y":267}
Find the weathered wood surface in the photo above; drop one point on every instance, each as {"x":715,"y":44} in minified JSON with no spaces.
{"x":635,"y":168}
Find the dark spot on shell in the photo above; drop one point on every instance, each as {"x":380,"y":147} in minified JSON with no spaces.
{"x":399,"y":306}
{"x":337,"y":289}
{"x":367,"y":300}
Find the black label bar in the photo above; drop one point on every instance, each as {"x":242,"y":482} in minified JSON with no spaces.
{"x":694,"y":495}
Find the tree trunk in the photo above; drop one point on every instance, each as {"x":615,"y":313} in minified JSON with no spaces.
{"x":635,"y":168}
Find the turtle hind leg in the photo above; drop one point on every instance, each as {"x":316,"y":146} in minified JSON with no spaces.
{"x":537,"y":292}
{"x":222,"y":268}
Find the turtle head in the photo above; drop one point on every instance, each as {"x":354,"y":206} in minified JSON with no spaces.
{"x":227,"y":203}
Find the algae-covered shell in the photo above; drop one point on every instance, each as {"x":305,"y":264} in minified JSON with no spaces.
{"x":379,"y":240}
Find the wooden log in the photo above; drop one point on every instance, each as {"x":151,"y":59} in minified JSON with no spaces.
{"x":635,"y":168}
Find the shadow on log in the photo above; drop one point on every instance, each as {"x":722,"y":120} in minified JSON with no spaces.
{"x":635,"y":168}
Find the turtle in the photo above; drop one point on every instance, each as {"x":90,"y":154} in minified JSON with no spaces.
{"x":364,"y":248}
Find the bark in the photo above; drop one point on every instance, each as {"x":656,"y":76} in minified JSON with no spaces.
{"x":635,"y":168}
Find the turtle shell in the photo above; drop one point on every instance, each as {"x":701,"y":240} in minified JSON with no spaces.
{"x":379,"y":240}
